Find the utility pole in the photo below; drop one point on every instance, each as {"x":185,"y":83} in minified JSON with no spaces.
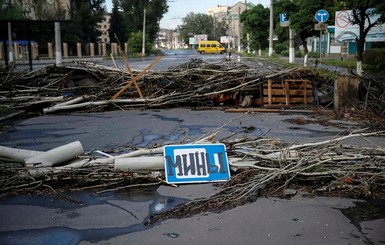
{"x":291,"y":45}
{"x":10,"y":47}
{"x":58,"y":53}
{"x":271,"y":29}
{"x":144,"y":28}
{"x":239,"y":29}
{"x":247,"y":34}
{"x":144,"y":32}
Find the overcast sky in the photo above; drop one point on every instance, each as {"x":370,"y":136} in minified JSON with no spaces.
{"x":180,"y":8}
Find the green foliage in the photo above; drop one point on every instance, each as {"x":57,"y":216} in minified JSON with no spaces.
{"x":116,"y":24}
{"x":313,"y":55}
{"x":135,"y":43}
{"x":289,"y":8}
{"x":301,"y":16}
{"x":83,"y":27}
{"x":197,"y":24}
{"x":347,"y":63}
{"x":133,"y":13}
{"x":297,"y":53}
{"x":256,"y":23}
{"x":285,"y":53}
{"x":374,"y":59}
{"x":280,"y":47}
{"x":362,"y":10}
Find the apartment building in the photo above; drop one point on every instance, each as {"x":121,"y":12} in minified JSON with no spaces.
{"x":104,"y":26}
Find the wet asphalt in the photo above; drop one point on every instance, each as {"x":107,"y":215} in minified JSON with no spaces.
{"x":117,"y":217}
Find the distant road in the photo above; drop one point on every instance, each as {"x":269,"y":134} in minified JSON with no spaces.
{"x":170,"y":58}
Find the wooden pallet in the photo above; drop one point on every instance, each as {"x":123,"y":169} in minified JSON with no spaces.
{"x":287,"y":92}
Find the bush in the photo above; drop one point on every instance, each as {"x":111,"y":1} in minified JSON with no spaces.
{"x":135,"y":43}
{"x":374,"y":59}
{"x":297,"y":53}
{"x":280,"y":47}
{"x":313,"y":55}
{"x":285,"y":53}
{"x":157,"y":52}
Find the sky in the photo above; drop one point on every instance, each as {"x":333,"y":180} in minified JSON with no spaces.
{"x":180,"y":8}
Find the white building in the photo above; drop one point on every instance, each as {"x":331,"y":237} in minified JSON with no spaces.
{"x":104,"y":27}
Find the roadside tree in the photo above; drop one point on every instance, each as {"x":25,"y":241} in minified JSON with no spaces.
{"x":301,"y":15}
{"x":116,"y":30}
{"x":197,"y":24}
{"x":363,"y":12}
{"x":83,"y":27}
{"x":256,"y":23}
{"x":133,"y":13}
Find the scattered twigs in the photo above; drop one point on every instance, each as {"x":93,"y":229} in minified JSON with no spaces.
{"x":88,"y":86}
{"x":323,"y":167}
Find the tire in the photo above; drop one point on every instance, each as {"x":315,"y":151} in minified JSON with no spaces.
{"x":202,"y":52}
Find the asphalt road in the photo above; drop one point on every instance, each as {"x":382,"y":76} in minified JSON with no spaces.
{"x":169,"y":58}
{"x":116,"y":217}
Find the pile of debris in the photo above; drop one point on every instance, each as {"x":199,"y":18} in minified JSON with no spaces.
{"x":92,"y":87}
{"x":259,"y":165}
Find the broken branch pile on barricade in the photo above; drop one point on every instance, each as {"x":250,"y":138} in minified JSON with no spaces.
{"x":267,"y":166}
{"x":372,"y":93}
{"x":92,"y":87}
{"x":259,"y":165}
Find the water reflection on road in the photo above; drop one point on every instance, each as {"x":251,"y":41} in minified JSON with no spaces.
{"x":71,"y":223}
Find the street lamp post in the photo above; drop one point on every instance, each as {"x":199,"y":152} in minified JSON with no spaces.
{"x":144,"y":30}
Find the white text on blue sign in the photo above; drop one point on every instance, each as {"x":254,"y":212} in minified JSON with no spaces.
{"x":196,"y":163}
{"x":283,"y":17}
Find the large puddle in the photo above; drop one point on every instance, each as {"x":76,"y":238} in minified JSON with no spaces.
{"x":149,"y":199}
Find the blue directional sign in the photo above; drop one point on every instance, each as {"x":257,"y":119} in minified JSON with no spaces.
{"x":321,"y":15}
{"x":283,"y":17}
{"x":196,"y":163}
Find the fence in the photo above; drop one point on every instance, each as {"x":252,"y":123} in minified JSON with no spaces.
{"x":79,"y":50}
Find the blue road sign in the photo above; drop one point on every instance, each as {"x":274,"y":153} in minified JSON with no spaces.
{"x":321,"y":15}
{"x":196,"y":163}
{"x":283,"y":17}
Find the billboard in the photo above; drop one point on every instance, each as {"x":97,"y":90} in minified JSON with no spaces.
{"x":346,"y":31}
{"x":35,"y":10}
{"x":197,"y":38}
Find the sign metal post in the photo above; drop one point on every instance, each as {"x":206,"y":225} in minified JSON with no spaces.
{"x":321,"y":16}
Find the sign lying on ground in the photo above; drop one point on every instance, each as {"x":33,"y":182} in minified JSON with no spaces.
{"x":39,"y":10}
{"x":196,"y":163}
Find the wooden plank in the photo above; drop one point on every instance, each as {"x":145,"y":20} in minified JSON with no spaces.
{"x":292,"y":85}
{"x":305,"y":95}
{"x":267,"y":110}
{"x":269,"y":92}
{"x":287,"y":96}
{"x":281,"y":92}
{"x":298,"y":80}
{"x":287,"y":92}
{"x":282,"y":100}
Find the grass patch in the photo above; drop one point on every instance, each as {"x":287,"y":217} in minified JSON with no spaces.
{"x":351,"y":63}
